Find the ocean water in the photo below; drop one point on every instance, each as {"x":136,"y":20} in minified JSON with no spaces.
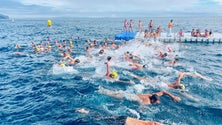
{"x":34,"y":90}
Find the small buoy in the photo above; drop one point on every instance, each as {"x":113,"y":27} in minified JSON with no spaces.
{"x":49,"y":22}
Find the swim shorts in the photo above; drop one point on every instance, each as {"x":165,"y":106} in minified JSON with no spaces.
{"x":117,"y":120}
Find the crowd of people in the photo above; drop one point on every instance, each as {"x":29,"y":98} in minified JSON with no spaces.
{"x":151,"y":32}
{"x":197,"y":33}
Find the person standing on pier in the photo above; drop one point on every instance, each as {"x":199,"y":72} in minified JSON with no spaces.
{"x":140,"y":25}
{"x":170,"y":26}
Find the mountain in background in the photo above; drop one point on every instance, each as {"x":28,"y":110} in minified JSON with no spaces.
{"x":3,"y":16}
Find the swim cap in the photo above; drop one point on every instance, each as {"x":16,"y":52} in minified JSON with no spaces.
{"x":101,"y":51}
{"x":145,"y":66}
{"x":109,"y":58}
{"x":154,"y":98}
{"x":77,"y":61}
{"x":131,"y":56}
{"x":114,"y":75}
{"x":62,"y":65}
{"x":180,"y":86}
{"x":88,"y":41}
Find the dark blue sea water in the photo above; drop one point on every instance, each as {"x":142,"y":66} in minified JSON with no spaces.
{"x":33,"y":91}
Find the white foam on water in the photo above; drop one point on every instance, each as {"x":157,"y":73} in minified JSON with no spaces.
{"x":56,"y":69}
{"x":135,"y":113}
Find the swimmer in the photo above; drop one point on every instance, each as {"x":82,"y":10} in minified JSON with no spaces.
{"x":162,"y":55}
{"x":82,"y":110}
{"x":113,"y":45}
{"x":108,"y":72}
{"x":137,"y":65}
{"x":114,"y":75}
{"x":128,"y":57}
{"x":101,"y":52}
{"x":20,"y":54}
{"x":74,"y":62}
{"x":144,"y":99}
{"x":17,"y":46}
{"x":178,"y":85}
{"x":174,"y":62}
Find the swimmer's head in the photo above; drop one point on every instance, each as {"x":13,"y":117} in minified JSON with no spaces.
{"x":126,"y":53}
{"x":130,"y":56}
{"x":114,"y":75}
{"x":101,"y":51}
{"x":145,"y":66}
{"x":180,"y":86}
{"x":87,"y":41}
{"x":154,"y":98}
{"x":62,"y":65}
{"x":109,"y":58}
{"x":165,"y":54}
{"x":176,"y":59}
{"x":77,"y":61}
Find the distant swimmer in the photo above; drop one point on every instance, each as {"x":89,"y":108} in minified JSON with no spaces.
{"x":74,"y":61}
{"x":20,"y":54}
{"x":174,"y":62}
{"x":137,"y":65}
{"x":170,"y":26}
{"x":144,"y":99}
{"x":17,"y":46}
{"x":101,"y":52}
{"x":140,"y":25}
{"x":82,"y":110}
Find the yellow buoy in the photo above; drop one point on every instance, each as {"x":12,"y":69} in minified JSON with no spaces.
{"x":49,"y":22}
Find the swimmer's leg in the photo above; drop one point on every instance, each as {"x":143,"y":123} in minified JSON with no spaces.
{"x":111,"y":93}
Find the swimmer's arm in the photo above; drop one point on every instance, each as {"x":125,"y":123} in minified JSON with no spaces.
{"x":195,"y":74}
{"x":64,"y":58}
{"x":175,"y":98}
{"x":111,"y":93}
{"x":179,"y":78}
{"x":107,"y":69}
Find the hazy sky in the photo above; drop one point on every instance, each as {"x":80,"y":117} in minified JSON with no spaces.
{"x":109,"y":8}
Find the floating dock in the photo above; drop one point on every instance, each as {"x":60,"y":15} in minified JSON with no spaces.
{"x":125,"y":36}
{"x":187,"y":38}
